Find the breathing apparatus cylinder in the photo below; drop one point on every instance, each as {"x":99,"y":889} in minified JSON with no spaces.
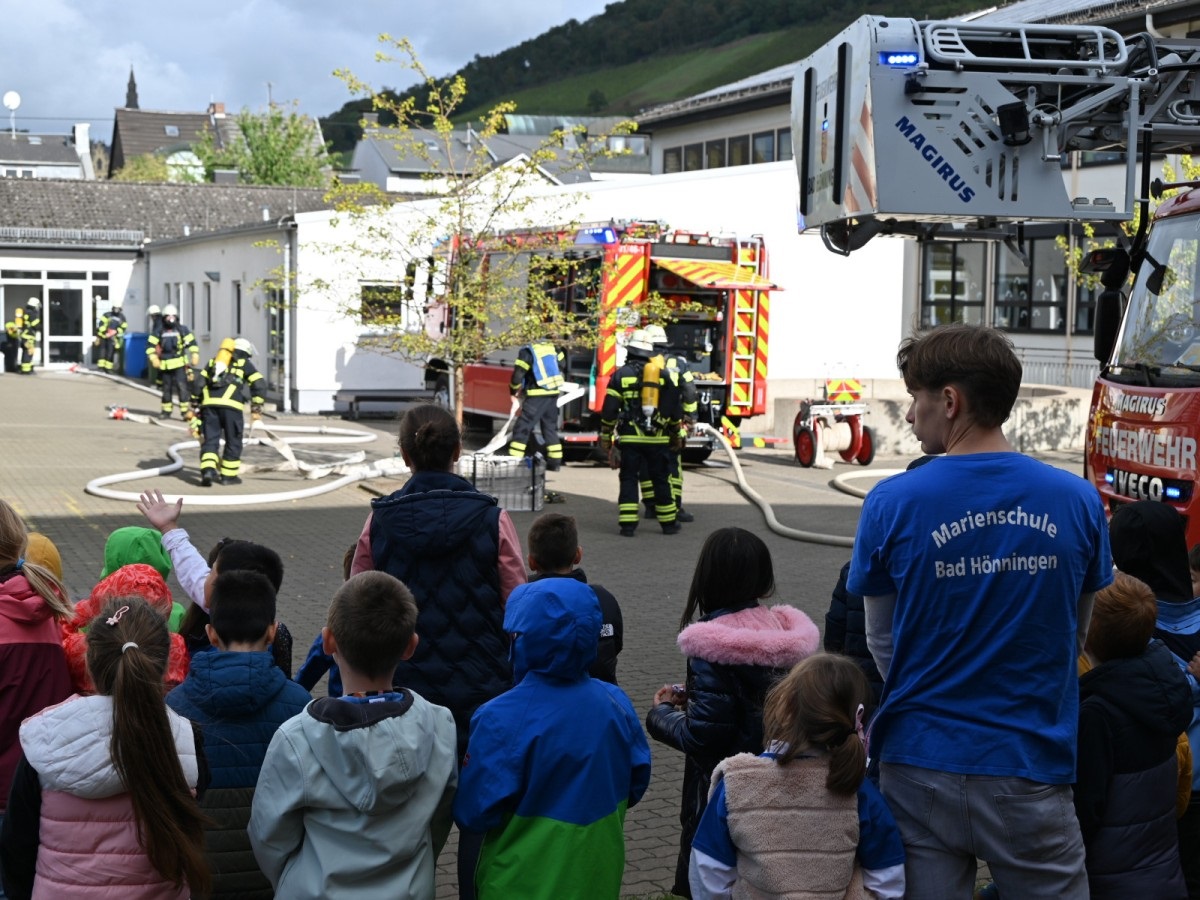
{"x":224,"y":355}
{"x":651,"y":379}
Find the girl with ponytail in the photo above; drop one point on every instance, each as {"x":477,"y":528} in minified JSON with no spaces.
{"x":802,"y":818}
{"x":33,"y":604}
{"x":103,"y":802}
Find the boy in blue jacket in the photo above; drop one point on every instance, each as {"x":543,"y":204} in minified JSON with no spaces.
{"x":239,"y":698}
{"x":552,"y":765}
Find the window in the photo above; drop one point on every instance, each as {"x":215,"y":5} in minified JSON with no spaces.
{"x":1031,"y":298}
{"x":99,"y":276}
{"x":171,"y":130}
{"x":237,"y":307}
{"x":764,"y":147}
{"x":20,"y":273}
{"x":166,"y":293}
{"x":208,"y":306}
{"x":672,"y":160}
{"x":952,"y":283}
{"x":693,"y":157}
{"x":66,"y":276}
{"x":389,"y":307}
{"x":783,"y":144}
{"x":714,"y":154}
{"x":739,"y":151}
{"x":191,"y":301}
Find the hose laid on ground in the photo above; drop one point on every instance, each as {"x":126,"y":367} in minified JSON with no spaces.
{"x":842,"y":482}
{"x":774,"y":524}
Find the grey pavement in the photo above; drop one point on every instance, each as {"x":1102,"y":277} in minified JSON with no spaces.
{"x":56,"y":436}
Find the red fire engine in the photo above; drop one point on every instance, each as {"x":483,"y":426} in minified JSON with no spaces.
{"x":723,"y":335}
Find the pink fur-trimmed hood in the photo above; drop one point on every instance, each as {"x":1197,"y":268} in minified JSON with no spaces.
{"x":777,"y":637}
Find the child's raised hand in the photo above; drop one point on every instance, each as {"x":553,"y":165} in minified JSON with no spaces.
{"x":158,"y":512}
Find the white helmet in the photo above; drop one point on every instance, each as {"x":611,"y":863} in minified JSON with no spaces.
{"x":640,"y":340}
{"x":117,"y":304}
{"x":34,"y":302}
{"x":170,"y":310}
{"x":656,"y":334}
{"x":244,"y":346}
{"x":153,"y":310}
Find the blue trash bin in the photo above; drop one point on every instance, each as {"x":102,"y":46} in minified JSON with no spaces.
{"x":135,"y":353}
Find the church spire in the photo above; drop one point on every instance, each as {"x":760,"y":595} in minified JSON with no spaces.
{"x":131,"y":101}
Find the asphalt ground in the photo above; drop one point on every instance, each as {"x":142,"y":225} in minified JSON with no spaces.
{"x":56,"y":436}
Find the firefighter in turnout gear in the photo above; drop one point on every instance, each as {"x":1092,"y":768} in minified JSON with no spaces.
{"x":641,"y":414}
{"x":538,"y":372}
{"x":174,"y":353}
{"x":154,"y":313}
{"x":676,"y":369}
{"x":219,"y":403}
{"x":110,"y":334}
{"x":12,"y":339}
{"x":31,"y":334}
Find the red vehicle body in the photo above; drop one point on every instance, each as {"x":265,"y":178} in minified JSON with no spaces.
{"x":724,"y":339}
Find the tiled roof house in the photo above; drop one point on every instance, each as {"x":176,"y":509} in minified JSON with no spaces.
{"x":137,"y":132}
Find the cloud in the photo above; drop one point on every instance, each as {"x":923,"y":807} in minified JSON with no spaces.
{"x":70,"y":59}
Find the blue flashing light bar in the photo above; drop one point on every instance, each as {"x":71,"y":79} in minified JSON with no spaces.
{"x":1109,"y":477}
{"x":903,"y":60}
{"x":605,"y":235}
{"x":1172,"y":493}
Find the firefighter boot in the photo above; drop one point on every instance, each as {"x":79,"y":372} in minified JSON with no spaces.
{"x":628,"y":530}
{"x":208,"y":476}
{"x":671,"y":528}
{"x":682,"y":515}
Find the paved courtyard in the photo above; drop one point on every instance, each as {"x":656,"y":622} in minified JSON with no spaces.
{"x":56,"y":436}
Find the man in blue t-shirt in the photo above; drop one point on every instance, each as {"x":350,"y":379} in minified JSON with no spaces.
{"x":978,"y":572}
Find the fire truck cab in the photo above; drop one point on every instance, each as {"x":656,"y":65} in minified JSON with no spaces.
{"x":722,"y":333}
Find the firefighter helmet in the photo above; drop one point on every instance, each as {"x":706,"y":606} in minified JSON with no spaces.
{"x":116,"y":304}
{"x":640,"y":341}
{"x":34,"y":302}
{"x":153,"y":310}
{"x":244,"y":346}
{"x":656,"y":333}
{"x":170,"y":310}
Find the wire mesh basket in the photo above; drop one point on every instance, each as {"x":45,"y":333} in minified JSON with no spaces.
{"x":518,"y":483}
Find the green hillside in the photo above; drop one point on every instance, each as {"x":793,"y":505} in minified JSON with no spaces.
{"x":636,"y":86}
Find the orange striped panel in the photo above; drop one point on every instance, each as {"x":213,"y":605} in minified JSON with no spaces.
{"x":624,"y":285}
{"x":760,"y":354}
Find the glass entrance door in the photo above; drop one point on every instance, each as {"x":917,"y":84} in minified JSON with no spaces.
{"x":68,"y":325}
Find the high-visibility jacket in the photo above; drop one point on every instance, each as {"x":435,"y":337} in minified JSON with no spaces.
{"x":538,"y":370}
{"x":112,"y":321}
{"x":174,"y":346}
{"x":227,"y":385}
{"x":31,"y":329}
{"x":622,"y":411}
{"x":689,"y":397}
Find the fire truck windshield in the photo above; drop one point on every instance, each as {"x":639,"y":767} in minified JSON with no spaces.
{"x":1159,"y":341}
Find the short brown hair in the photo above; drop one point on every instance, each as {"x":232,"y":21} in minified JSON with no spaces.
{"x":553,"y":540}
{"x":372,"y":618}
{"x":1123,"y":619}
{"x":976,"y":359}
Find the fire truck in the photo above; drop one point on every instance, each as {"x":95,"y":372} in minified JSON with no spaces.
{"x":720,"y":284}
{"x":959,"y":130}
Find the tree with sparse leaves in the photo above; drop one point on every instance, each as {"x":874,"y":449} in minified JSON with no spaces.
{"x":151,"y":167}
{"x":279,"y":147}
{"x":485,"y":243}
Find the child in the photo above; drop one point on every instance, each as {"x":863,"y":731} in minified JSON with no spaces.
{"x":134,"y":544}
{"x":735,"y":653}
{"x":355,"y":793}
{"x":1149,"y":542}
{"x":33,"y":603}
{"x":1132,"y":707}
{"x":239,"y":698}
{"x":102,"y":800}
{"x":195,"y":573}
{"x":554,"y":551}
{"x":802,"y":818}
{"x":553,"y":764}
{"x":134,"y":580}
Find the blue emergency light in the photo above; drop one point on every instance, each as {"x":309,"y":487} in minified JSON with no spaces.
{"x":903,"y":60}
{"x":598,"y":235}
{"x":1172,"y":493}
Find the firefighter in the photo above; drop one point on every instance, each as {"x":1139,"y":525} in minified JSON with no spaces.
{"x":641,"y":414}
{"x":154,"y":313}
{"x":173,"y":352}
{"x":31,"y":334}
{"x":676,"y":368}
{"x":219,"y":406}
{"x":110,"y":334}
{"x":12,"y":339}
{"x":538,"y":372}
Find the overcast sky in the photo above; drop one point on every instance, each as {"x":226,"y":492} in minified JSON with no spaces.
{"x":69,"y":60}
